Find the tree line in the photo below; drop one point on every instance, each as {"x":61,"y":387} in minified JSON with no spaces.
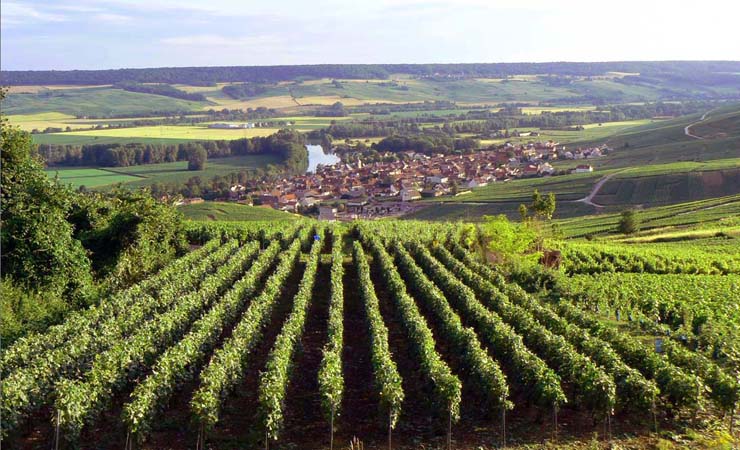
{"x":287,"y":144}
{"x":697,"y":71}
{"x":160,"y":89}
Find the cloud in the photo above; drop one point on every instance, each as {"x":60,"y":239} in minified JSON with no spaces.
{"x":112,"y":18}
{"x":16,"y":13}
{"x":215,"y":40}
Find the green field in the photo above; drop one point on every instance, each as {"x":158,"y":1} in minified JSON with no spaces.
{"x":222,"y":211}
{"x":90,"y":177}
{"x":97,"y":101}
{"x":706,"y":214}
{"x":671,"y":183}
{"x":151,"y":133}
{"x":174,"y":172}
{"x":639,"y":186}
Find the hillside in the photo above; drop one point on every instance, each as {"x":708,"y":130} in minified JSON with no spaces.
{"x":222,"y":211}
{"x":266,"y":333}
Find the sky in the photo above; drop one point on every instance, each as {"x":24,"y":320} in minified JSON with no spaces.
{"x":103,"y":34}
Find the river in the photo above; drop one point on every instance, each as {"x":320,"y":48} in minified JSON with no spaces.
{"x":316,"y":156}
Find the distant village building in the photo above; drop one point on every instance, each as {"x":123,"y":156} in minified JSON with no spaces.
{"x":408,"y":195}
{"x":327,"y":213}
{"x":231,"y":126}
{"x":583,"y":168}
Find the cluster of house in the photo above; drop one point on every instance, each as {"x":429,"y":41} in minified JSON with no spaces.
{"x":245,"y":125}
{"x":346,"y":191}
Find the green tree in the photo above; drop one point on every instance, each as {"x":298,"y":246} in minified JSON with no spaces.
{"x":197,"y":158}
{"x":523,"y":211}
{"x":510,"y":242}
{"x":38,"y":248}
{"x":543,"y":206}
{"x":629,"y":222}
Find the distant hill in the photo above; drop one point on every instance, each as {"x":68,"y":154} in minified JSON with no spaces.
{"x":688,"y":73}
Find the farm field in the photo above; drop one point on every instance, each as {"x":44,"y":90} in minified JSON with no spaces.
{"x":657,"y":222}
{"x":139,"y":134}
{"x":97,"y":102}
{"x":146,"y":175}
{"x":385,"y":330}
{"x":223,"y":211}
{"x":90,"y":177}
{"x":645,"y":186}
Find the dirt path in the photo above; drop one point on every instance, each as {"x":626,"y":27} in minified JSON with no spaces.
{"x":687,"y":130}
{"x":597,"y":187}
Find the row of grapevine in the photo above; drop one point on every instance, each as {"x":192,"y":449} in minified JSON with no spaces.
{"x":724,"y":390}
{"x":331,"y":381}
{"x":637,"y":391}
{"x":27,"y":389}
{"x":26,"y":349}
{"x":385,"y":373}
{"x":633,"y":389}
{"x":542,"y":382}
{"x":596,"y":388}
{"x":80,"y":401}
{"x":447,"y":387}
{"x":485,"y":370}
{"x":274,"y":380}
{"x":180,"y":362}
{"x":228,"y":365}
{"x":681,"y":388}
{"x":587,"y":258}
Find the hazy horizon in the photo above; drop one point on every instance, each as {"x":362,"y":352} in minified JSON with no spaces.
{"x":110,"y":34}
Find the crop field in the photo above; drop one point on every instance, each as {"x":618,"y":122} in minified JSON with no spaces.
{"x":657,"y":221}
{"x":298,"y":334}
{"x":650,"y":187}
{"x":223,"y":211}
{"x":98,"y":101}
{"x":179,"y":132}
{"x":148,"y":174}
{"x":107,"y":101}
{"x":90,"y":177}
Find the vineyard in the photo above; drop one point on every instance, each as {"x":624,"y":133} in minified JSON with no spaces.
{"x":306,"y":335}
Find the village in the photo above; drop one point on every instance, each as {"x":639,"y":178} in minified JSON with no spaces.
{"x":351,"y":190}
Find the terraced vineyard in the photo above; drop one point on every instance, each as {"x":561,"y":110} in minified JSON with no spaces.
{"x":297,"y":333}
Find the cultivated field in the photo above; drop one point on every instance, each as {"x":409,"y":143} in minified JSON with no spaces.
{"x":298,"y":334}
{"x":146,"y":175}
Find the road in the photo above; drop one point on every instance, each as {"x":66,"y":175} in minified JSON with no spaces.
{"x":687,"y":130}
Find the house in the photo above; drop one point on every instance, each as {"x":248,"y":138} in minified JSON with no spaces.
{"x":547,"y":169}
{"x":530,"y":170}
{"x":327,"y":213}
{"x":437,"y":179}
{"x":583,"y":168}
{"x":408,"y":195}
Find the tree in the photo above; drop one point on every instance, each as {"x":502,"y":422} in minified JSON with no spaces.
{"x":523,"y":211}
{"x":543,"y":206}
{"x":629,"y":223}
{"x":197,"y":157}
{"x":38,"y":248}
{"x":509,"y":241}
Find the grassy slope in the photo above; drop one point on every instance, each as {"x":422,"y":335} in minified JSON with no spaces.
{"x":95,"y":102}
{"x":210,"y":211}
